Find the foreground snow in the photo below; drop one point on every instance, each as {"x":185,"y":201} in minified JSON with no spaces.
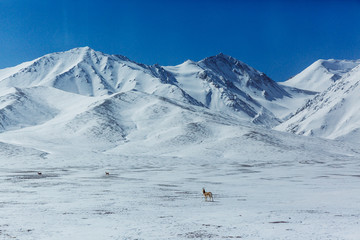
{"x":266,"y":185}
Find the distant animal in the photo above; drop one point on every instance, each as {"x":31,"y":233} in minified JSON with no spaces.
{"x":107,"y":173}
{"x":39,"y":173}
{"x":208,"y":195}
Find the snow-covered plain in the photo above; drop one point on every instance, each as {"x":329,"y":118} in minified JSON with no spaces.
{"x":163,"y":137}
{"x":266,"y":185}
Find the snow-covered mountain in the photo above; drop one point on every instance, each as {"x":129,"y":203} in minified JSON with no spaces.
{"x":219,"y":83}
{"x":82,"y":95}
{"x":321,"y":74}
{"x":334,"y":113}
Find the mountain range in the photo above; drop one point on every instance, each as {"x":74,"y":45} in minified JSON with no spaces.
{"x":220,"y":83}
{"x":95,"y":100}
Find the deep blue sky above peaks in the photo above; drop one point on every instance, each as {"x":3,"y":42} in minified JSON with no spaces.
{"x":279,"y":38}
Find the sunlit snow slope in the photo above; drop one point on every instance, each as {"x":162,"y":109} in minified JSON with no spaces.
{"x":334,"y":114}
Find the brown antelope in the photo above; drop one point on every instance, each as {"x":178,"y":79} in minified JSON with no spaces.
{"x":107,"y":173}
{"x":208,"y":195}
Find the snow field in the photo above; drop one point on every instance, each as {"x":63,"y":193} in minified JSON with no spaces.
{"x":262,"y":190}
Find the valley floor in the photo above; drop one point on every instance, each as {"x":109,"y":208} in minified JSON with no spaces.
{"x":147,"y":197}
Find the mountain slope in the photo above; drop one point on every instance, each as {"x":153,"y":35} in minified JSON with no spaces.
{"x":114,"y":120}
{"x":223,"y":83}
{"x":321,"y":74}
{"x":19,"y":109}
{"x":333,"y":114}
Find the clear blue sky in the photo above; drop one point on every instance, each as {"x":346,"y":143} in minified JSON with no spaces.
{"x":279,"y":38}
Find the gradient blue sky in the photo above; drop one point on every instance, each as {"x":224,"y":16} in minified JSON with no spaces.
{"x":279,"y":38}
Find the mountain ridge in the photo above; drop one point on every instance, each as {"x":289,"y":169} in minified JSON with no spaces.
{"x":222,"y":83}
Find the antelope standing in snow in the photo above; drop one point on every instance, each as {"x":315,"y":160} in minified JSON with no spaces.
{"x":208,"y":195}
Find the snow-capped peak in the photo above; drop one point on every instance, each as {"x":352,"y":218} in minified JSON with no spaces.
{"x":222,"y":62}
{"x":321,"y":74}
{"x":243,"y":76}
